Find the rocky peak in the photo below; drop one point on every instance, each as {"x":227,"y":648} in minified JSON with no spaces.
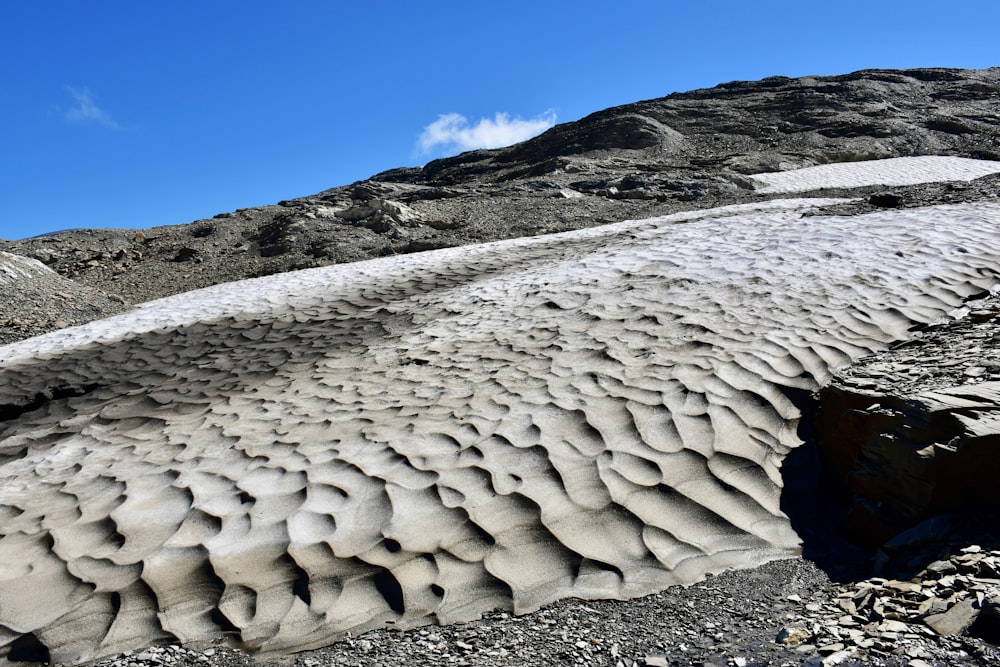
{"x":754,"y":126}
{"x":916,"y":449}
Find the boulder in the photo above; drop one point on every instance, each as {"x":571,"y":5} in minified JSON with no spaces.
{"x":913,"y":433}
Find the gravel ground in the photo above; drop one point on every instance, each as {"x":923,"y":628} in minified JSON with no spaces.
{"x":730,"y":620}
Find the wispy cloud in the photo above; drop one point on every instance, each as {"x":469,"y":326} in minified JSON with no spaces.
{"x":85,"y":110}
{"x":453,"y":131}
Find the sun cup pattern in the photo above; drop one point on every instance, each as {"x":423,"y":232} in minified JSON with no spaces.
{"x":419,"y":439}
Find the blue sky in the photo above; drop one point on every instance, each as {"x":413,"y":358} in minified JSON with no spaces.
{"x":137,"y":114}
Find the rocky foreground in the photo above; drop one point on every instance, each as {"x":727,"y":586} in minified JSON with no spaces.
{"x":906,"y":591}
{"x":783,"y":613}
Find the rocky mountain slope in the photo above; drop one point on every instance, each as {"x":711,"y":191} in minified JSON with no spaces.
{"x":681,"y":152}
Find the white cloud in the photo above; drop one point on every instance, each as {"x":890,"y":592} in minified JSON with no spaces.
{"x":85,"y":110}
{"x":453,"y":131}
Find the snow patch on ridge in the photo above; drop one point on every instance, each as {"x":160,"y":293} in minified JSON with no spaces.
{"x":891,"y":171}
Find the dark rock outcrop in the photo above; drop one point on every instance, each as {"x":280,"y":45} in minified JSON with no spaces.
{"x":913,"y":433}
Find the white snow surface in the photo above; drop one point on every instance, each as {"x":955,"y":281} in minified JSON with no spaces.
{"x":891,"y":171}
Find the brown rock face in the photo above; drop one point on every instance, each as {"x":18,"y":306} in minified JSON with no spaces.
{"x":914,"y":432}
{"x":902,"y":460}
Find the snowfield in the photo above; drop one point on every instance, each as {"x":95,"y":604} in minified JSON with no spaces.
{"x":892,"y":171}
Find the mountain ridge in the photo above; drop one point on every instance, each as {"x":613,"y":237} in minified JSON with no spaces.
{"x":680,"y":152}
{"x":633,"y":126}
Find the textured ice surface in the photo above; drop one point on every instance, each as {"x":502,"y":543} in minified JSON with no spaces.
{"x":421,"y":438}
{"x":892,"y":171}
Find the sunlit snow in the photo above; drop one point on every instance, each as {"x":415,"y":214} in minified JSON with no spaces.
{"x":892,"y":171}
